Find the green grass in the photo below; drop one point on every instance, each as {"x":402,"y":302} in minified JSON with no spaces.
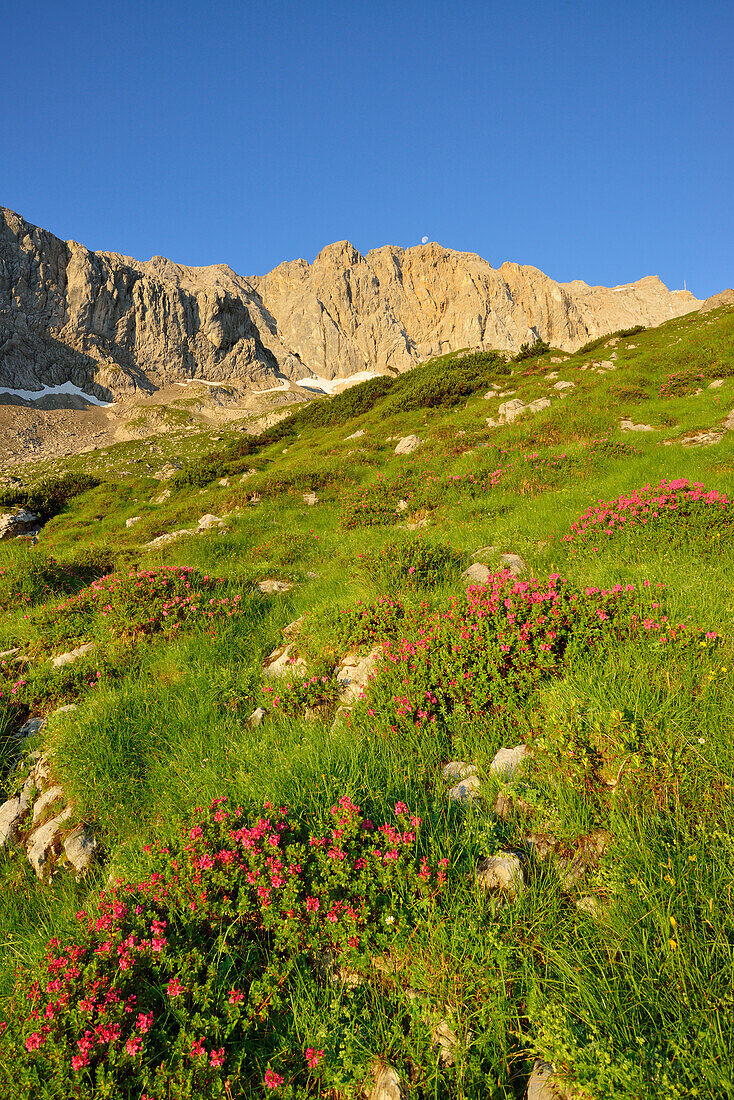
{"x":631,"y":1000}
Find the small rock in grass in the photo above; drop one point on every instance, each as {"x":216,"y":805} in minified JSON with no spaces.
{"x":283,"y":662}
{"x":408,"y":444}
{"x":466,"y":790}
{"x":502,"y":872}
{"x":627,"y":425}
{"x":543,"y":1084}
{"x":553,"y":374}
{"x":9,"y":652}
{"x":509,"y":805}
{"x":478,"y":573}
{"x":716,"y":384}
{"x":591,"y":905}
{"x":564,"y":385}
{"x":354,"y":675}
{"x":42,"y":842}
{"x":64,"y":710}
{"x":445,"y":1043}
{"x":208,"y":521}
{"x":12,"y":813}
{"x":224,"y":481}
{"x":507,"y":762}
{"x":73,"y":655}
{"x":256,"y":718}
{"x":132,"y":521}
{"x":80,"y":847}
{"x":458,"y":769}
{"x":46,"y":799}
{"x":514,"y":563}
{"x":386,"y":1086}
{"x":401,"y":506}
{"x":30,"y":728}
{"x":271,"y":587}
{"x":484,"y":552}
{"x":310,"y":499}
{"x":293,"y":629}
{"x":357,"y":434}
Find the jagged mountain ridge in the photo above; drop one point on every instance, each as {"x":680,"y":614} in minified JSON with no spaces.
{"x":113,"y":326}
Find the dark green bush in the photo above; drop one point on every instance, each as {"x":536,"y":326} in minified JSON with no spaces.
{"x":619,"y":335}
{"x":532,"y":351}
{"x":410,"y":562}
{"x":49,"y":496}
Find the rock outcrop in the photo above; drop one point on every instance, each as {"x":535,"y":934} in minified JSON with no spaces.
{"x":97,"y":326}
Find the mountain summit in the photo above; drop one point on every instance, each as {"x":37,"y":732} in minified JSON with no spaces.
{"x":111,"y":326}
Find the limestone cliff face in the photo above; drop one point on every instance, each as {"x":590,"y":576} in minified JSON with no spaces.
{"x":112,"y":325}
{"x":395,"y":307}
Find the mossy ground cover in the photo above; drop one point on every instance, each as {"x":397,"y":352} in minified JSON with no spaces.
{"x":611,"y":659}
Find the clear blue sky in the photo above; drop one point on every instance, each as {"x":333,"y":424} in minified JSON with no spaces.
{"x":593,"y":140}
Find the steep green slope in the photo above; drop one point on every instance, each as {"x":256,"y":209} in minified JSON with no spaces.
{"x":607,"y":952}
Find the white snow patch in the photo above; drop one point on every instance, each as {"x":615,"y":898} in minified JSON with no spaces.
{"x":282,"y":388}
{"x":328,"y":385}
{"x":67,"y":388}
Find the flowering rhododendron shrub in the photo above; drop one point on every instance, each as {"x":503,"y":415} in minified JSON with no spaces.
{"x":315,"y":693}
{"x":179,"y":985}
{"x":676,"y":508}
{"x":147,"y":601}
{"x":489,"y":649}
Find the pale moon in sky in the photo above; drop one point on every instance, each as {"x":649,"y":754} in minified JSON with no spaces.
{"x":424,"y":240}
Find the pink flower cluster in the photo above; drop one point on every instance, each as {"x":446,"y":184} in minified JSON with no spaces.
{"x":644,"y":507}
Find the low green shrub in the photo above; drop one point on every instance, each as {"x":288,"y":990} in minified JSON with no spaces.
{"x":411,"y":562}
{"x":532,"y":351}
{"x":49,"y":496}
{"x":619,"y":334}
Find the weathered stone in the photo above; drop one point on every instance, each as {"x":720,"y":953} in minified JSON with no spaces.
{"x":354,"y":674}
{"x":401,"y":506}
{"x":507,"y":762}
{"x":64,"y":710}
{"x":80,"y":847}
{"x":544,"y":1084}
{"x":12,"y":813}
{"x":30,"y":728}
{"x":73,"y":655}
{"x":207,"y":522}
{"x":386,"y":1086}
{"x":310,"y":499}
{"x":476,"y":574}
{"x":271,"y":587}
{"x":19,"y":523}
{"x":466,"y":790}
{"x":510,"y":410}
{"x":166,"y":540}
{"x":43,"y":842}
{"x":514,"y":563}
{"x":702,"y":439}
{"x":408,"y":444}
{"x":627,"y":425}
{"x":591,"y":905}
{"x":257,"y":716}
{"x":292,"y":630}
{"x":509,"y":805}
{"x":46,"y":799}
{"x":716,"y":384}
{"x":9,"y":653}
{"x":162,"y":497}
{"x":283,"y":661}
{"x":357,"y":434}
{"x":445,"y":1043}
{"x":503,"y":873}
{"x":458,"y":769}
{"x":484,"y":552}
{"x":132,"y":521}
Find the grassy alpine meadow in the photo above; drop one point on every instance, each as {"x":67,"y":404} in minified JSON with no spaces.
{"x":294,"y":901}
